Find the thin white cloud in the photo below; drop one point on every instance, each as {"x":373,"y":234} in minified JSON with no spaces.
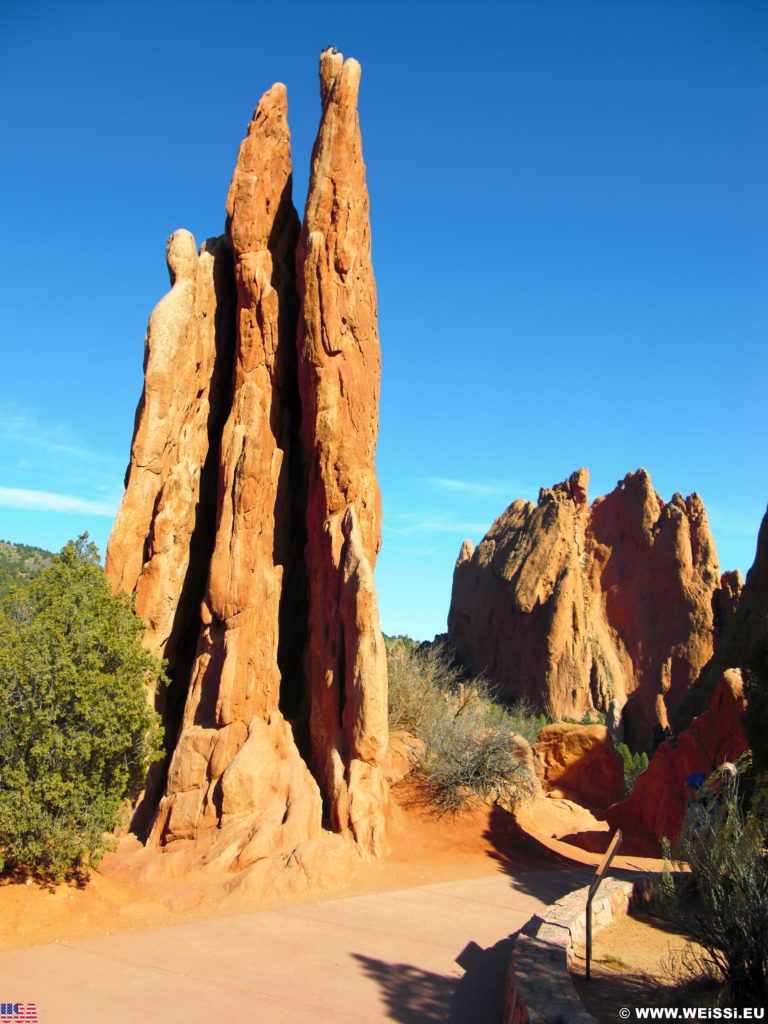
{"x":500,"y":488}
{"x":46,"y":466}
{"x":23,"y":427}
{"x":422,"y":550}
{"x":47,"y":501}
{"x":437,"y":525}
{"x":744,"y":523}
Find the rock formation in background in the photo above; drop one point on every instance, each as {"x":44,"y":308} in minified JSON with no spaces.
{"x":251,"y":520}
{"x":339,"y":375}
{"x":573,"y":606}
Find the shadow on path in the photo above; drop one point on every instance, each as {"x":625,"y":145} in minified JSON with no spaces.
{"x":411,"y":995}
{"x":532,"y":867}
{"x":414,"y":996}
{"x":479,"y":995}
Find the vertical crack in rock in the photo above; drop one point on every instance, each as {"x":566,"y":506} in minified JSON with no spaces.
{"x":575,"y":606}
{"x":339,"y":379}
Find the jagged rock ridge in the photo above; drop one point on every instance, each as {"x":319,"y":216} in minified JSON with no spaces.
{"x":573,"y":606}
{"x":251,"y":521}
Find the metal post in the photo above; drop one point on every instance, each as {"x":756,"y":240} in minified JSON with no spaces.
{"x":602,"y":867}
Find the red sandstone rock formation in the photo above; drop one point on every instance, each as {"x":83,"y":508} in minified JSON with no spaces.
{"x":573,"y":606}
{"x":266,"y":540}
{"x":236,"y":775}
{"x":658,"y":802}
{"x":582,"y":760}
{"x":339,"y":377}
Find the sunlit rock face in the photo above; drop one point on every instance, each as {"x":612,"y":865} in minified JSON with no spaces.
{"x":252,"y":518}
{"x":166,"y":513}
{"x":574,"y":606}
{"x":582,"y":760}
{"x":339,"y":375}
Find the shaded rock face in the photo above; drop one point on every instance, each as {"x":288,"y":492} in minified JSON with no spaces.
{"x":575,"y":606}
{"x":582,"y":760}
{"x":708,"y":720}
{"x":657,"y":805}
{"x":251,"y":520}
{"x":742,"y":627}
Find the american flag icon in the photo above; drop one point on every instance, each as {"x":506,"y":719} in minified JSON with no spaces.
{"x":18,"y":1013}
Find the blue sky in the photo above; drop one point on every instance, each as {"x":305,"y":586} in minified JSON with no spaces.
{"x":570,"y":232}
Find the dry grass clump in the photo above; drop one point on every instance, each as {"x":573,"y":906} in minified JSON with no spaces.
{"x":690,"y":978}
{"x":468,"y":752}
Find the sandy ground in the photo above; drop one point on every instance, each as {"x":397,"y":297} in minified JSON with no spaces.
{"x":424,"y":850}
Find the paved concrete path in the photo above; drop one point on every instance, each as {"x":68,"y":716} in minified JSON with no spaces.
{"x":432,"y":953}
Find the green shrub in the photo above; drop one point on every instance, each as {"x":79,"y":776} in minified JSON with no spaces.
{"x":76,"y":729}
{"x":466,"y":733}
{"x":588,"y":718}
{"x":725,"y":850}
{"x":634,"y":765}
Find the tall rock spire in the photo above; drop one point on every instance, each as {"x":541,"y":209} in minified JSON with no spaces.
{"x":339,"y":379}
{"x":236,"y":772}
{"x":251,"y":522}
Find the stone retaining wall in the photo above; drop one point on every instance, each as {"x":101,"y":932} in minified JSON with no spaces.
{"x":539,"y":986}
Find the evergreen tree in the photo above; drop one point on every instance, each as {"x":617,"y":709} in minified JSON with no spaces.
{"x":76,"y":729}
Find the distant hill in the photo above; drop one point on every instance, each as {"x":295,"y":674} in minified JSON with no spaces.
{"x":19,"y":562}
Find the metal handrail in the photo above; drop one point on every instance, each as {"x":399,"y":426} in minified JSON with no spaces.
{"x":602,"y":867}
